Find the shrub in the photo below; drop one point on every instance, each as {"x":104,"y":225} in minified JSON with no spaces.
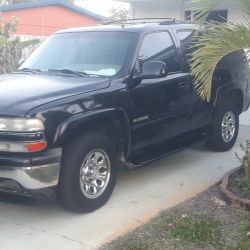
{"x":245,"y":159}
{"x":10,"y":46}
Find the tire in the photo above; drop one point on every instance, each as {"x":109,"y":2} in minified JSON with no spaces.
{"x":225,"y":109}
{"x":78,"y":196}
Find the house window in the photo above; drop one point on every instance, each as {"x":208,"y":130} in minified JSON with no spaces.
{"x":188,"y":15}
{"x":214,"y":15}
{"x":218,"y":16}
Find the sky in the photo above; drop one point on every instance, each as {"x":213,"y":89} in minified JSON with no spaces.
{"x":101,"y":7}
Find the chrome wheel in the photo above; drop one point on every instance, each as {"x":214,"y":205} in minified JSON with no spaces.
{"x":228,"y":126}
{"x":95,"y":173}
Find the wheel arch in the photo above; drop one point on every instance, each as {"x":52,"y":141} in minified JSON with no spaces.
{"x":230,"y":79}
{"x":113,"y":122}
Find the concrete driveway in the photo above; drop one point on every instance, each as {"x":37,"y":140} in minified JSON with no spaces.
{"x":29,"y":224}
{"x":245,"y":118}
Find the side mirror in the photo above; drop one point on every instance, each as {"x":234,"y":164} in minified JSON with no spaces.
{"x":153,"y":70}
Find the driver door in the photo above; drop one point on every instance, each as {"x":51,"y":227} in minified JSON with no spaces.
{"x":161,"y":107}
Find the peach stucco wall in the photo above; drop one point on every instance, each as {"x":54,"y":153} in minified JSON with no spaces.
{"x":43,"y":21}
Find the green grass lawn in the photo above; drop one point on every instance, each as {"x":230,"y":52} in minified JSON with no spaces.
{"x":204,"y":222}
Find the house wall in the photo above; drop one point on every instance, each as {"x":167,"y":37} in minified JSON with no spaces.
{"x":43,"y":21}
{"x":235,"y":14}
{"x":157,"y":9}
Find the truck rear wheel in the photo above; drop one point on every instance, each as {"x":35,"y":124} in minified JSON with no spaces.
{"x":88,"y":174}
{"x":225,"y":126}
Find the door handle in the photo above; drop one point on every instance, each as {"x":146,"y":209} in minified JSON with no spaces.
{"x":183,"y":86}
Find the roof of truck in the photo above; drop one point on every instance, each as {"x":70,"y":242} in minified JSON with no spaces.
{"x":132,"y":27}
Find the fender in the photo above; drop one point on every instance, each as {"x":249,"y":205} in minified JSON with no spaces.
{"x":230,"y":78}
{"x":222,"y":90}
{"x":115,"y":115}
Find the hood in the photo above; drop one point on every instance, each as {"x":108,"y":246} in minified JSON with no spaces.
{"x":20,"y":93}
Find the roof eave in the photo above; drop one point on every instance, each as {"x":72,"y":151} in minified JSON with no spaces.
{"x":62,"y":3}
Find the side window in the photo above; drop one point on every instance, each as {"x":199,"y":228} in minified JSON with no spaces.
{"x":159,"y":47}
{"x":185,"y":37}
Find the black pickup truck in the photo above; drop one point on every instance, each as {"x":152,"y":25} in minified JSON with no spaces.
{"x":91,"y":101}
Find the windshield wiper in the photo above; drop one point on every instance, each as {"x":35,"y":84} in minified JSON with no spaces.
{"x":29,"y":70}
{"x":69,"y":72}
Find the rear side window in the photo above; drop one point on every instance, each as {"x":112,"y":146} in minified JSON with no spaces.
{"x":159,"y":47}
{"x":185,"y":37}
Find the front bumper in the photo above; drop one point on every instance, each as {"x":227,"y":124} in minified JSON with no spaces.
{"x":30,"y":175}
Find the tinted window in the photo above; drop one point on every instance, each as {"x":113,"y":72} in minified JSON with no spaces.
{"x":159,"y":47}
{"x":185,"y":35}
{"x":185,"y":38}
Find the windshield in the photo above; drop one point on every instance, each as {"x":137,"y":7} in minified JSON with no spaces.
{"x":96,"y":53}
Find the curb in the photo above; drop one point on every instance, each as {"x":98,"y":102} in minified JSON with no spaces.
{"x":244,"y":203}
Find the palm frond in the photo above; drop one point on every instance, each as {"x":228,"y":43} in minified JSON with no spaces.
{"x":211,"y":48}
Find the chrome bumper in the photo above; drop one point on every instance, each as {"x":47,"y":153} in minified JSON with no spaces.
{"x":35,"y":177}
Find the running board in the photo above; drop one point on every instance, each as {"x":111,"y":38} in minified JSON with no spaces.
{"x":164,"y":150}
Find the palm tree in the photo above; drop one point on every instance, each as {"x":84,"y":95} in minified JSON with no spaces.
{"x":220,"y":40}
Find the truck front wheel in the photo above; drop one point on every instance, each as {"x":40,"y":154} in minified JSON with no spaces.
{"x":225,"y":126}
{"x":88,"y":174}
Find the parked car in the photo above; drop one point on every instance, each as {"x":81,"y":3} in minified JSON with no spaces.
{"x":91,"y":101}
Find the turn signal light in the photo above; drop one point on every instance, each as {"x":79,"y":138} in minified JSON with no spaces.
{"x":36,"y":146}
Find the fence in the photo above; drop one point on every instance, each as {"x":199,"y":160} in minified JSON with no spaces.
{"x":27,"y":51}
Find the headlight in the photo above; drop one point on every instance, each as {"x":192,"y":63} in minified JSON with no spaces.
{"x":21,"y":125}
